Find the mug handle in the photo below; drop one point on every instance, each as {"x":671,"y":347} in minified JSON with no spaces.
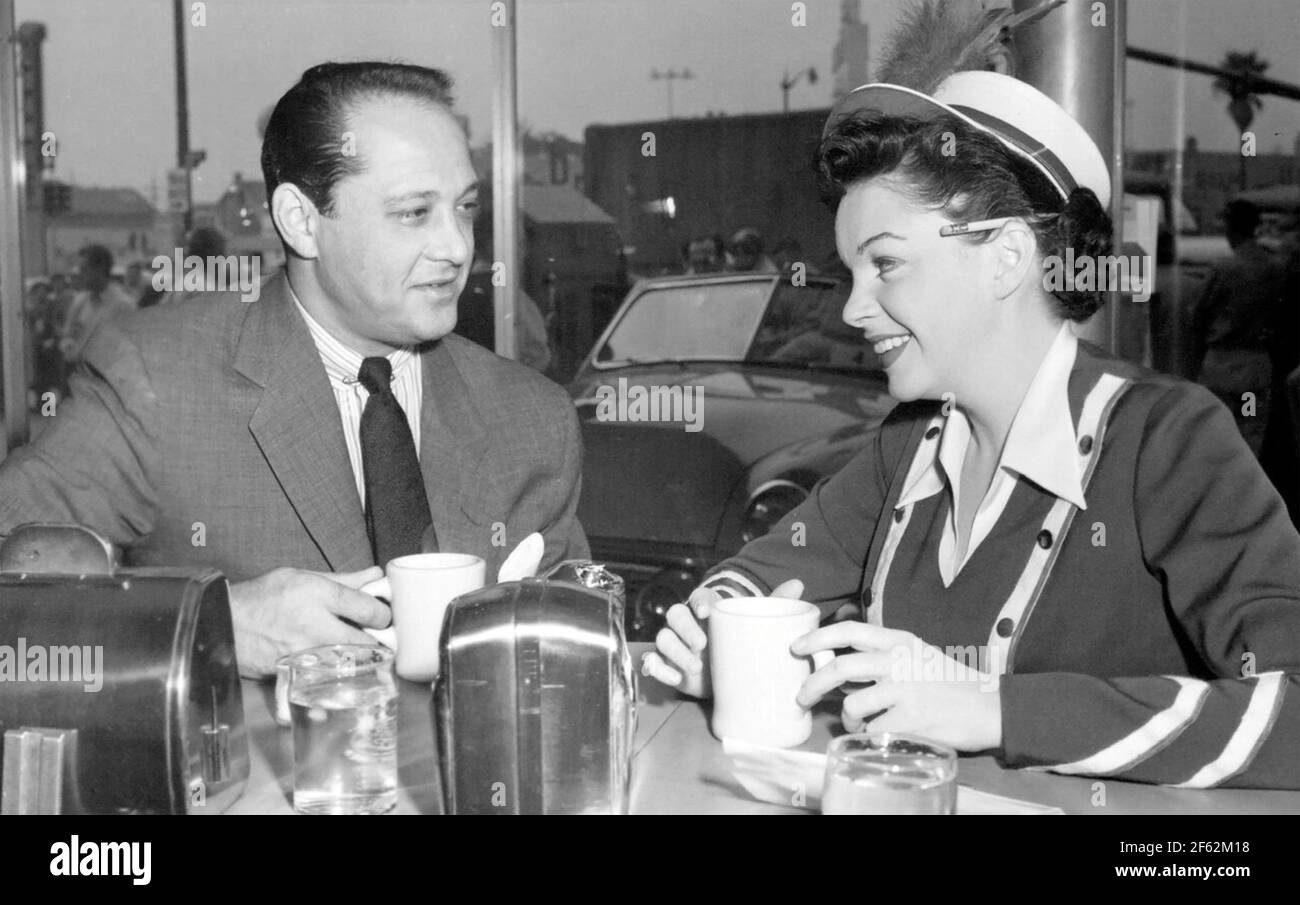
{"x":822,"y":658}
{"x":381,"y":587}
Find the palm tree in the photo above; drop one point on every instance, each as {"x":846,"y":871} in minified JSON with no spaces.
{"x":1238,"y":82}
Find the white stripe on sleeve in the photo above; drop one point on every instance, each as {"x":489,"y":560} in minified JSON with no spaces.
{"x":1147,"y":739}
{"x":744,"y":583}
{"x":1265,"y":701}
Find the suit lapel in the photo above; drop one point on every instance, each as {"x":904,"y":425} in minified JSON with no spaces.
{"x":453,"y":444}
{"x":298,"y":428}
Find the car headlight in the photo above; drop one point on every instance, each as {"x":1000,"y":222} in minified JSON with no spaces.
{"x":768,"y":505}
{"x":651,"y":603}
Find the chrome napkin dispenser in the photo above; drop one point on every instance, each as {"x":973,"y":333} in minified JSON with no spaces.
{"x":535,"y":706}
{"x":119,"y":689}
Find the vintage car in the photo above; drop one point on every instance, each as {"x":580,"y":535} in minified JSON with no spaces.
{"x":710,"y":406}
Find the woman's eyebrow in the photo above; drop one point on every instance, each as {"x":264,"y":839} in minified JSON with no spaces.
{"x":885,"y":235}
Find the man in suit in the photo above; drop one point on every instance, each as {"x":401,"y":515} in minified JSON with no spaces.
{"x":99,"y":300}
{"x":277,"y":440}
{"x":1233,"y":324}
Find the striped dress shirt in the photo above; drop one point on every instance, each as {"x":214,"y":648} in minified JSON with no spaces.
{"x":342,"y":365}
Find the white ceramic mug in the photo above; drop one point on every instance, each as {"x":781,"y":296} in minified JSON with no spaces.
{"x":419,"y":587}
{"x":755,"y":677}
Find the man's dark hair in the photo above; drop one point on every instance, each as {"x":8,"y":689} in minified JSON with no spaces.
{"x":206,"y":242}
{"x":1241,"y":218}
{"x":97,"y":257}
{"x":304,"y":141}
{"x":747,"y":240}
{"x":791,"y":245}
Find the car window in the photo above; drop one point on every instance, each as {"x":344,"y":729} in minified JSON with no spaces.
{"x":805,"y":326}
{"x":699,"y":321}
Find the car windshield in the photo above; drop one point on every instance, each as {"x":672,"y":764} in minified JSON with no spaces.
{"x":789,"y":326}
{"x":694,"y":321}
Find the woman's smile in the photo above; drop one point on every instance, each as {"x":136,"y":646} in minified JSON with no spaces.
{"x":889,"y":348}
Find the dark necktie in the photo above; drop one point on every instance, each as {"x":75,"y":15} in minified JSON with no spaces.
{"x":397,"y":511}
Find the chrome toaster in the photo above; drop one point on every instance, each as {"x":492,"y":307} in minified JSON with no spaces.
{"x":121,"y":692}
{"x":535,"y":707}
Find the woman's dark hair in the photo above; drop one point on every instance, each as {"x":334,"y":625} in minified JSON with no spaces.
{"x":946,"y":165}
{"x":305,"y":142}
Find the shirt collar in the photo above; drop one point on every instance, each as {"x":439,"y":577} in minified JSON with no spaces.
{"x":1041,"y":445}
{"x":343,"y":363}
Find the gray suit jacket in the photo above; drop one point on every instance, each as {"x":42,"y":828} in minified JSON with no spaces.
{"x":205,"y":433}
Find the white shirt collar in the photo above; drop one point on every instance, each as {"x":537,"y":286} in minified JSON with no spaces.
{"x":1041,"y":445}
{"x":342,"y":362}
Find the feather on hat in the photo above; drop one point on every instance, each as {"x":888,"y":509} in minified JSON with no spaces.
{"x":950,"y":58}
{"x":935,"y":39}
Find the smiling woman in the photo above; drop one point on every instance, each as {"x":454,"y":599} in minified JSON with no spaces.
{"x":903,"y":184}
{"x":962,"y":526}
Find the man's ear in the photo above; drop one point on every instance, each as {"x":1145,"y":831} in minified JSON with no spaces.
{"x":297,"y":219}
{"x":1016,"y":249}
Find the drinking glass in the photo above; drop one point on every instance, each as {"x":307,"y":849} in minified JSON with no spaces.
{"x":343,"y":704}
{"x":889,"y":773}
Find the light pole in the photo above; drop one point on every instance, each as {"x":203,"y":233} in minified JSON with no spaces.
{"x":790,"y":81}
{"x":183,"y":161}
{"x":670,"y":76}
{"x":1082,"y":68}
{"x":13,"y":327}
{"x":507,"y":179}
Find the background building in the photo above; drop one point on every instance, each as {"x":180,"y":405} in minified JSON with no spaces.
{"x":1212,"y":178}
{"x":849,"y":59}
{"x":120,"y":219}
{"x":721,"y":174}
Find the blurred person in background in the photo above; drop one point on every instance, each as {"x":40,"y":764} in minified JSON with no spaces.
{"x":745,"y":253}
{"x":706,"y":254}
{"x":1233,"y":323}
{"x":99,"y":299}
{"x":44,"y":320}
{"x":789,"y":252}
{"x":1281,"y":453}
{"x":136,"y":283}
{"x":476,"y":318}
{"x":205,"y":242}
{"x":476,"y":310}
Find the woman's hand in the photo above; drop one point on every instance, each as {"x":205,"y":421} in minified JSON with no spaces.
{"x":677,"y":659}
{"x":918,"y":688}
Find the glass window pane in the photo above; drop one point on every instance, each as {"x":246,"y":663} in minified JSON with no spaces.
{"x":714,"y":322}
{"x":101,"y":140}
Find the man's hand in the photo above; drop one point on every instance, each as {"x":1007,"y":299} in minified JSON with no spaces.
{"x":918,"y":688}
{"x":288,"y":610}
{"x":677,"y":659}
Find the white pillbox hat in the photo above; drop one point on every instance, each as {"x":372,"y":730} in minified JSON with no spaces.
{"x":1029,"y":123}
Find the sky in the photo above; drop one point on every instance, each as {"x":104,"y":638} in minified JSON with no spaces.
{"x":110,"y":83}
